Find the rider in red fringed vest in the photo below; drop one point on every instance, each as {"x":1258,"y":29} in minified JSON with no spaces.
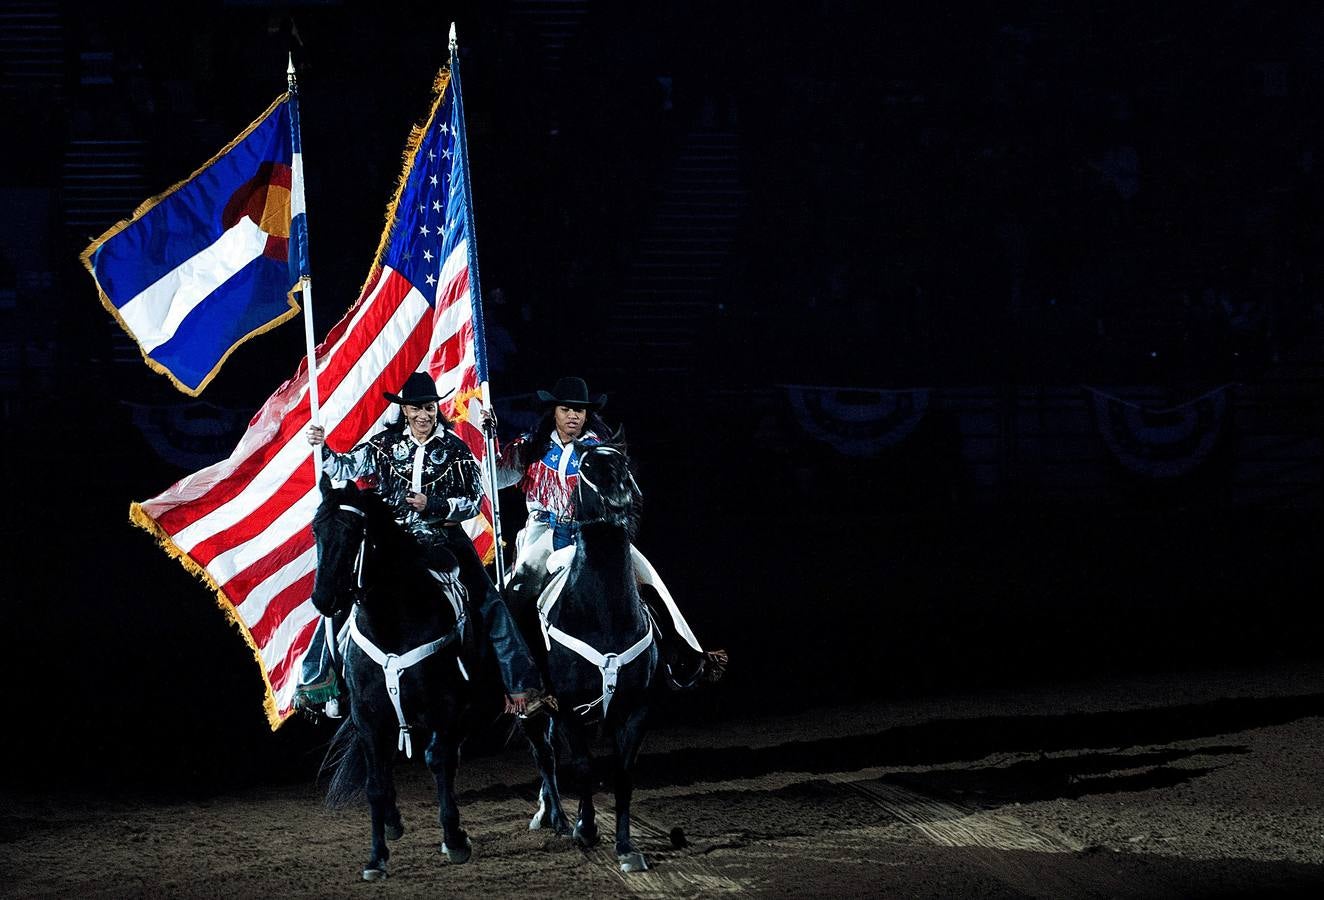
{"x":545,"y":464}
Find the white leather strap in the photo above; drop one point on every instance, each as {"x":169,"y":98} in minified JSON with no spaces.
{"x":392,"y":665}
{"x":609,"y":663}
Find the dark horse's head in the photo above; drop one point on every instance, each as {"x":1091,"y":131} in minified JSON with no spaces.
{"x":606,"y":491}
{"x":341,"y":527}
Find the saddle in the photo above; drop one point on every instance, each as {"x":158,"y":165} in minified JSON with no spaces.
{"x":684,"y":666}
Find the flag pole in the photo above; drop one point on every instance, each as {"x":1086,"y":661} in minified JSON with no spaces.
{"x":476,"y":299}
{"x":299,"y":256}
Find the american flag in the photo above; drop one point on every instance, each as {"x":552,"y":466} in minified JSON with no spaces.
{"x":244,"y":524}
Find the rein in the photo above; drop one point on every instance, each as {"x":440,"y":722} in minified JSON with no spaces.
{"x":363,"y":547}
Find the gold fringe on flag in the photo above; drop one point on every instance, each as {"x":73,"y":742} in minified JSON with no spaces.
{"x":138,"y":516}
{"x":416,"y":135}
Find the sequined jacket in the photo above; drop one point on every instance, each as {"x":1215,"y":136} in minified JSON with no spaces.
{"x":443,"y":468}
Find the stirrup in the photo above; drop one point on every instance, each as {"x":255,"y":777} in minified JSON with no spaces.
{"x":709,"y":670}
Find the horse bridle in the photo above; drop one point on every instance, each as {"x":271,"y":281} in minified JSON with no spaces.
{"x":584,"y":479}
{"x":356,"y":592}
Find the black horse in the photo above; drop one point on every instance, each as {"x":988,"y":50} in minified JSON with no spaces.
{"x":402,"y":665}
{"x":602,"y":654}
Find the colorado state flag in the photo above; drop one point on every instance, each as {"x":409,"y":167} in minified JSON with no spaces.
{"x":215,"y":260}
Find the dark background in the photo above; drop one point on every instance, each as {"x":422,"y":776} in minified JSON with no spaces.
{"x":695,"y":206}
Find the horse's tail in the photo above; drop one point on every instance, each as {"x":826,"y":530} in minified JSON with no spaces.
{"x":346,"y":765}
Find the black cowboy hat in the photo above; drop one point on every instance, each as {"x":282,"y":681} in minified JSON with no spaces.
{"x":418,"y":389}
{"x":571,"y":392}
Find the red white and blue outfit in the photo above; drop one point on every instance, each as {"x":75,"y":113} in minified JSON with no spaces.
{"x":548,"y":485}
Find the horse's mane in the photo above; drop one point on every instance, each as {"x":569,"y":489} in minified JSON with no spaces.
{"x":380,"y":517}
{"x":405,"y":556}
{"x":369,"y":501}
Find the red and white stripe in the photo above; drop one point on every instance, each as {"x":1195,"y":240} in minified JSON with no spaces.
{"x":247,"y":521}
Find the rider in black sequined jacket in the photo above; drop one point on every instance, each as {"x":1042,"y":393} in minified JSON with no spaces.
{"x":431,"y":479}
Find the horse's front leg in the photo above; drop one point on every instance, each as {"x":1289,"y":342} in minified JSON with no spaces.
{"x":628,"y":737}
{"x":381,"y":791}
{"x":542,"y":742}
{"x":395,"y":824}
{"x":443,"y":758}
{"x":585,"y":833}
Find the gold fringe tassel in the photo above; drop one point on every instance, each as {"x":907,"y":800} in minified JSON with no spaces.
{"x":416,"y":135}
{"x":138,"y":516}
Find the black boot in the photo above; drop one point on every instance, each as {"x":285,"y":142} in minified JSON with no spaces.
{"x":495,"y":625}
{"x":685,"y":667}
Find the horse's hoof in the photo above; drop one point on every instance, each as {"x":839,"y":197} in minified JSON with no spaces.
{"x":632,"y":862}
{"x":395,"y":832}
{"x":374,"y":872}
{"x":585,"y":835}
{"x":460,"y":854}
